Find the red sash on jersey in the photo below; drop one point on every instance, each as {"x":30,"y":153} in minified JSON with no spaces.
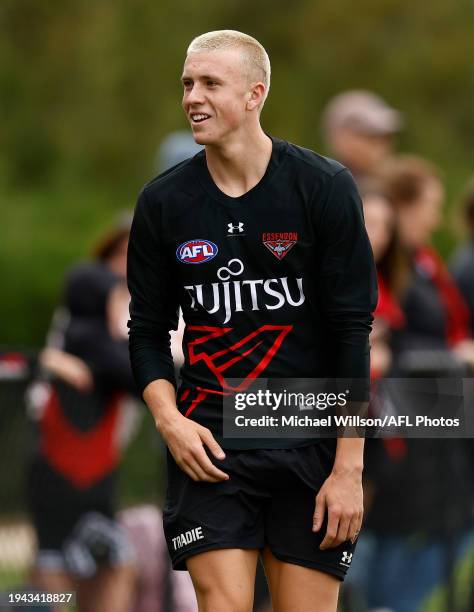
{"x":82,"y":457}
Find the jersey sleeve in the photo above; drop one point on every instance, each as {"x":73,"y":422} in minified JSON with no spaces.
{"x":154,"y":297}
{"x":347,"y":283}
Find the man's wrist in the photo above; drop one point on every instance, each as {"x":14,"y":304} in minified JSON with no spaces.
{"x":349,"y":460}
{"x":348,"y":469}
{"x":160,"y":397}
{"x":166,"y":416}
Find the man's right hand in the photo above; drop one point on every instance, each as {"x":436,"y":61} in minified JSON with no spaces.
{"x":184,"y":438}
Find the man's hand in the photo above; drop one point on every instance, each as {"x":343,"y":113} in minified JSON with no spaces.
{"x":341,"y":494}
{"x":185,"y":440}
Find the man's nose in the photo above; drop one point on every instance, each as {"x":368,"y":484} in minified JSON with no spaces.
{"x":194,"y":95}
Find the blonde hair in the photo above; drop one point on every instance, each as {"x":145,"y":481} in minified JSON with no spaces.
{"x":254,"y":55}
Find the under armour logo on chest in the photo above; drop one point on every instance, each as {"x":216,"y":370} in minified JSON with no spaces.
{"x":235,"y":228}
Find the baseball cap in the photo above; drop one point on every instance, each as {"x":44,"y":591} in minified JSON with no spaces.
{"x":363,"y":111}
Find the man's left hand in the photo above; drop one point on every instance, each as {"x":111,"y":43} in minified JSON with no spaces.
{"x":341,"y":495}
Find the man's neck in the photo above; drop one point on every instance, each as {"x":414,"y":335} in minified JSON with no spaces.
{"x":237,"y":166}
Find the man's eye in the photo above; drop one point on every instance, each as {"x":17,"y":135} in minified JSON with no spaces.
{"x":211,"y":83}
{"x":187,"y":84}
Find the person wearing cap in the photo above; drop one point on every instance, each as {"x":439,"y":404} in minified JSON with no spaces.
{"x":359,"y":129}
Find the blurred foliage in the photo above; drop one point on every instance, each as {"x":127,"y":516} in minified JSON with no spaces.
{"x":88,"y":90}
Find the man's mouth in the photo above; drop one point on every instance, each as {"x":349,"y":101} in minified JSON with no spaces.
{"x":198,"y":117}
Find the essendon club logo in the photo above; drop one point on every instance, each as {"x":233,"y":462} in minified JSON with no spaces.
{"x":244,"y":358}
{"x":279,"y":243}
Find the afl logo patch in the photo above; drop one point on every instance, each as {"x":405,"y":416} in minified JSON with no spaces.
{"x":196,"y":251}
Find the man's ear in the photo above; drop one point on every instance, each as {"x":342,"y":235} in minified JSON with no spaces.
{"x":255,"y":96}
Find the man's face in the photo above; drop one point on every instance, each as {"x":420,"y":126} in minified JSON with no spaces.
{"x":216,"y":92}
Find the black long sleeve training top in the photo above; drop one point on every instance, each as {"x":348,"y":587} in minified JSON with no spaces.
{"x":277,"y":283}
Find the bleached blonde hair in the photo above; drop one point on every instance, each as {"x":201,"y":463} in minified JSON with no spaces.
{"x":255,"y":58}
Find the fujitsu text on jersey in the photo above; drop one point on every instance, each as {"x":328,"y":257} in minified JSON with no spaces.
{"x":232,"y":295}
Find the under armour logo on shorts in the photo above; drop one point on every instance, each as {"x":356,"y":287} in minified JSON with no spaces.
{"x":346,"y":557}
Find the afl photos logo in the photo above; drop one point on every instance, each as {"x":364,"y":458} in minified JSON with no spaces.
{"x":196,"y":251}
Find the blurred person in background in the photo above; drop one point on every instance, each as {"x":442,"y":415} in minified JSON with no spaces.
{"x":392,"y":278}
{"x":462,"y":263}
{"x":462,"y":267}
{"x":175,"y":148}
{"x":72,"y":475}
{"x":436,"y":314}
{"x":359,"y":128}
{"x":392,"y":272}
{"x":420,"y":512}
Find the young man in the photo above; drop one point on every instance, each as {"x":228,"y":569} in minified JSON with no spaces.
{"x":262,"y":245}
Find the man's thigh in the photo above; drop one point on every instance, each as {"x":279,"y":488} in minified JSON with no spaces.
{"x":203,"y":516}
{"x":224,"y":579}
{"x":289,"y":515}
{"x":295,"y":588}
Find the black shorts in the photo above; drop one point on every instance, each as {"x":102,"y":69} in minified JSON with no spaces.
{"x":268,"y":500}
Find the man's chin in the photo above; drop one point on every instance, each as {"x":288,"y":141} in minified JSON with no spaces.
{"x":202,"y":138}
